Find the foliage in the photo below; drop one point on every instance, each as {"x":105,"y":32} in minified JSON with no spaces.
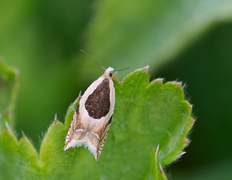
{"x":181,"y":40}
{"x":146,"y":115}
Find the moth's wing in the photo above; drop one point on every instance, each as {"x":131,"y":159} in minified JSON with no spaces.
{"x":76,"y":132}
{"x":102,"y":137}
{"x":94,"y":138}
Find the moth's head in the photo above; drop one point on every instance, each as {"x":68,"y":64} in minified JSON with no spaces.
{"x":108,"y":72}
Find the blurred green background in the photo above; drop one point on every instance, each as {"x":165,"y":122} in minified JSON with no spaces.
{"x":184,"y":40}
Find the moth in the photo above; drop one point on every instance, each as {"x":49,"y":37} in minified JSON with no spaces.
{"x":92,"y":118}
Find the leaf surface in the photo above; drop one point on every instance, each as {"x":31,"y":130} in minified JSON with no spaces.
{"x":146,"y":115}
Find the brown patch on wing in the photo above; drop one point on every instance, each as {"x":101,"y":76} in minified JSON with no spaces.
{"x":102,"y":135}
{"x":98,"y":103}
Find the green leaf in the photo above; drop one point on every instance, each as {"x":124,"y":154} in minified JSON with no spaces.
{"x":135,"y":33}
{"x":17,"y":159}
{"x":8,"y":90}
{"x":146,"y":115}
{"x":158,"y":174}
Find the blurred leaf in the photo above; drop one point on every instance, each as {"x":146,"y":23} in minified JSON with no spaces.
{"x":214,"y":171}
{"x":41,"y":39}
{"x":8,"y":90}
{"x":136,"y":33}
{"x":145,"y":115}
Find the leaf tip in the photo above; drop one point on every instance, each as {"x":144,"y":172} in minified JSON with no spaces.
{"x":178,"y":84}
{"x":192,"y":121}
{"x":186,"y":142}
{"x":190,"y":106}
{"x":23,"y":137}
{"x":156,"y":149}
{"x":55,"y":122}
{"x":145,"y":69}
{"x":160,"y":80}
{"x":6,"y":126}
{"x":181,"y":153}
{"x":55,"y":118}
{"x":79,"y":97}
{"x":161,"y":169}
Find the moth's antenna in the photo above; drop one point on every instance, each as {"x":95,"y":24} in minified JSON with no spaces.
{"x":120,"y":69}
{"x":92,"y":59}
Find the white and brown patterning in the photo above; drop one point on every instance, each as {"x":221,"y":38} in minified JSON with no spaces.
{"x":91,"y":121}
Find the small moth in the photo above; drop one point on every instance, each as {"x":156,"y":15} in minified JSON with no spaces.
{"x":92,"y":118}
